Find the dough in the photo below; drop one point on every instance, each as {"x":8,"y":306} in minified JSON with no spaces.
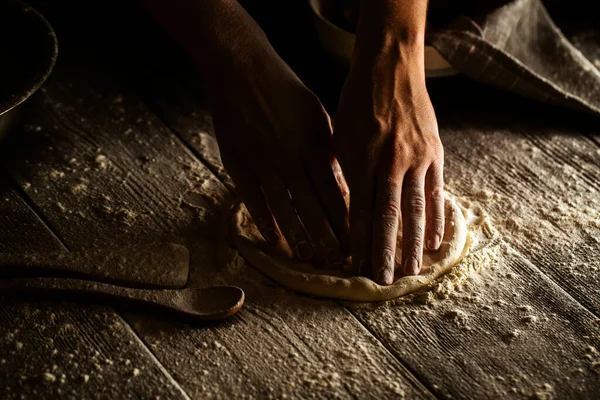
{"x":465,"y":228}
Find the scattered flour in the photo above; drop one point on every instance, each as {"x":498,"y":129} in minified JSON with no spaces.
{"x":48,"y":377}
{"x":544,"y":393}
{"x":101,"y":161}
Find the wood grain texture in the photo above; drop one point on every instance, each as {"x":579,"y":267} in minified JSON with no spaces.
{"x":502,"y":353}
{"x":536,"y":170}
{"x":515,"y":331}
{"x":507,"y":333}
{"x":488,"y":343}
{"x":148,"y":186}
{"x":52,"y":349}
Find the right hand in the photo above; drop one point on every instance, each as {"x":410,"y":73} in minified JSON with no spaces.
{"x":275,"y":141}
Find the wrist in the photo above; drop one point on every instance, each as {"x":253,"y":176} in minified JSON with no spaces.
{"x":389,"y":57}
{"x":390,"y":24}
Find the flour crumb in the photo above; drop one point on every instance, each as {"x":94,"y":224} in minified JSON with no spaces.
{"x":544,"y":393}
{"x":101,"y":161}
{"x":54,"y":174}
{"x":453,"y":314}
{"x":48,"y":377}
{"x":136,"y":372}
{"x":19,"y":345}
{"x":424,"y":298}
{"x":529,"y":319}
{"x":218,"y":345}
{"x":79,"y":188}
{"x":460,"y":273}
{"x":85,"y":378}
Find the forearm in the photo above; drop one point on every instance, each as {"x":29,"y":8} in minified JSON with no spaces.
{"x":216,"y":34}
{"x":393,"y":31}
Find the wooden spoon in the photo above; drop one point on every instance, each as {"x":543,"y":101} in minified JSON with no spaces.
{"x":155,"y":265}
{"x":209,"y":303}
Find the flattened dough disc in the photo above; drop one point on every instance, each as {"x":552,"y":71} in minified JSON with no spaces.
{"x":302,"y":277}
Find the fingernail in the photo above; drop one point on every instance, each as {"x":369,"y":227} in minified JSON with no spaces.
{"x":411,"y":267}
{"x":334,"y":256}
{"x":272,"y":236}
{"x":434,"y":242}
{"x":385,"y":276}
{"x":304,"y":251}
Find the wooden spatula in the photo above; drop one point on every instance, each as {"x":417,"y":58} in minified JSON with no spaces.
{"x":155,"y":265}
{"x":209,"y":303}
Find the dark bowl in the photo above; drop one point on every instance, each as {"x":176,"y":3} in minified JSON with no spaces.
{"x":28,"y":52}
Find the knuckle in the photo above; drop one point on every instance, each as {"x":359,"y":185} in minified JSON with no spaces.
{"x":437,"y":194}
{"x":416,"y":234}
{"x":437,"y":225}
{"x":439,"y":151}
{"x":414,"y":250}
{"x":402,"y":153}
{"x":387,"y":257}
{"x":416,"y":204}
{"x":390,"y":212}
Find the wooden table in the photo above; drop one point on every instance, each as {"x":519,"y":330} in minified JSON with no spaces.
{"x":118,"y":148}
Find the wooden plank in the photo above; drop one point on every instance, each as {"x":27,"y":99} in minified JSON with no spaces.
{"x":507,"y":333}
{"x":68,"y":350}
{"x":281,"y":343}
{"x":532,"y":169}
{"x":185,"y":111}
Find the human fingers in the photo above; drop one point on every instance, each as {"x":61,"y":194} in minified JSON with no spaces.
{"x":362,"y":193}
{"x":413,"y":221}
{"x":280,"y":204}
{"x":248,"y":187}
{"x":385,"y":224}
{"x":313,"y":217}
{"x":434,"y":203}
{"x":331,"y":195}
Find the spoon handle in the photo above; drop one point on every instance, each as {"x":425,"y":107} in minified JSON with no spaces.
{"x":210,"y":303}
{"x":152,"y":265}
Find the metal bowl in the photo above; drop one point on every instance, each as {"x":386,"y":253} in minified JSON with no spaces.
{"x":339,"y":43}
{"x":28,"y":53}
